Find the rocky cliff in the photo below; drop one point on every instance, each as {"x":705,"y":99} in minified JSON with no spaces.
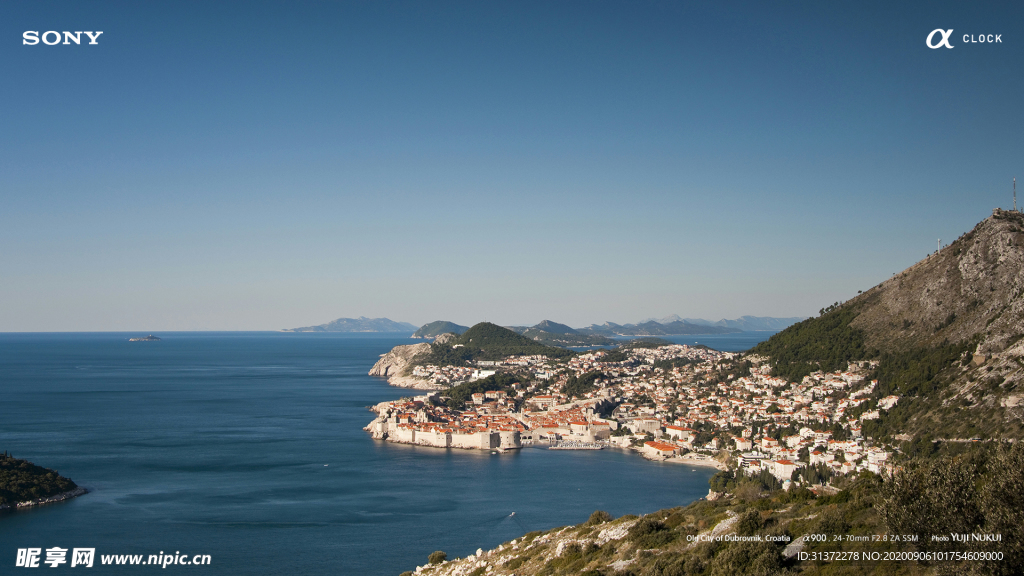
{"x":969,"y":289}
{"x":948,"y":334}
{"x":396,"y":364}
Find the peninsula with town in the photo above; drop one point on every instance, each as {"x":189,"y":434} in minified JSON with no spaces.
{"x":670,"y":402}
{"x":888,"y":424}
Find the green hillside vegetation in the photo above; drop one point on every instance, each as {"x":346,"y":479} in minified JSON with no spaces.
{"x":21,"y":480}
{"x":434,"y":329}
{"x":566,"y":339}
{"x":554,"y":327}
{"x":971,"y":489}
{"x":978,"y":491}
{"x":487,"y":341}
{"x":460,"y":395}
{"x":620,"y":353}
{"x":827,"y":343}
{"x":579,"y":386}
{"x":617,"y":355}
{"x":930,"y":379}
{"x":675,"y":363}
{"x":445,"y":355}
{"x":649,"y":342}
{"x":555,"y":334}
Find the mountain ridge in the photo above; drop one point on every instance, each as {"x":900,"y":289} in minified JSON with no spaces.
{"x":361,"y":324}
{"x":652,"y":328}
{"x":947,"y":333}
{"x":745,"y":323}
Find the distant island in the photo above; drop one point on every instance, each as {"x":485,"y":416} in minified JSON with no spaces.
{"x":435,"y":329}
{"x":555,"y":334}
{"x":652,"y":328}
{"x":546,"y":332}
{"x":24,"y":484}
{"x":676,"y":326}
{"x":361,"y":324}
{"x":744,"y":323}
{"x":149,"y":338}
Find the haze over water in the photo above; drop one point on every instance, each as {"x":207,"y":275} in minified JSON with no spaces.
{"x":216,"y":443}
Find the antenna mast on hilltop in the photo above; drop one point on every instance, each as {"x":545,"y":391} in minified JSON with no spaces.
{"x":1014,"y":193}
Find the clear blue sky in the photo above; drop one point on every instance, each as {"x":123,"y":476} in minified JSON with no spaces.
{"x":262,"y":165}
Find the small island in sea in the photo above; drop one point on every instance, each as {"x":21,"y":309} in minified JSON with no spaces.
{"x":149,"y":338}
{"x":23,"y":484}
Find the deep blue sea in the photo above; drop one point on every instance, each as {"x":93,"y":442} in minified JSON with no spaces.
{"x":249,"y":447}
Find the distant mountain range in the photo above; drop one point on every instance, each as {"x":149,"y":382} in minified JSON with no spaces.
{"x":556,"y":334}
{"x":743,"y":323}
{"x":361,"y":324}
{"x":546,"y":332}
{"x":652,"y":328}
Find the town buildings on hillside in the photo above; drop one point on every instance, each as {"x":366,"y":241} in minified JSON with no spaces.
{"x":665,"y":402}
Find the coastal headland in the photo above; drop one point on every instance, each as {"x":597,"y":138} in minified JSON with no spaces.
{"x":536,"y":393}
{"x":79,"y":491}
{"x":24,"y":484}
{"x":889,"y":424}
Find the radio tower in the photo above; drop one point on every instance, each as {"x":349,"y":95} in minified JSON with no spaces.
{"x":1014,"y":193}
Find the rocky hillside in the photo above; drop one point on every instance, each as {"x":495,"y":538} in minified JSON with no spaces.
{"x":395,"y":365}
{"x":746,"y":533}
{"x":748,"y":528}
{"x":970,"y":288}
{"x":946,"y":333}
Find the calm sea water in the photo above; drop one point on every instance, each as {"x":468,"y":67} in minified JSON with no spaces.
{"x":735,"y":342}
{"x":249,"y":447}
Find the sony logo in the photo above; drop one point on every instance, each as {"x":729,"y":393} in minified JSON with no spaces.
{"x":52,"y":37}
